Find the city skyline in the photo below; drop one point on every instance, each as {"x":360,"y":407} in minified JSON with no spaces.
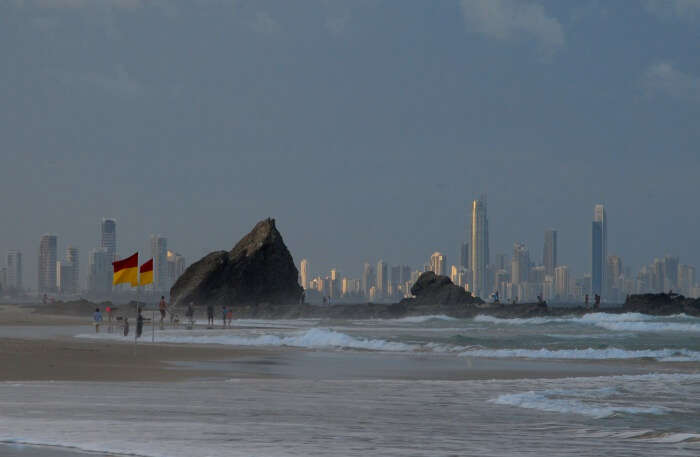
{"x":383,"y":129}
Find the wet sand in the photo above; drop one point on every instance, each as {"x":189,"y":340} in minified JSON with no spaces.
{"x":20,"y":450}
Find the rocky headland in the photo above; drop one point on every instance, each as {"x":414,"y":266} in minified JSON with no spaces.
{"x":258,"y":270}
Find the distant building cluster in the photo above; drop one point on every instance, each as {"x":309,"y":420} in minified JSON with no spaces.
{"x":513,"y":279}
{"x":56,"y":276}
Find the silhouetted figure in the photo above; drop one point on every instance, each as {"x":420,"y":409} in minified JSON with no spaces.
{"x":597,"y":302}
{"x":126,"y":326}
{"x":139,"y":325}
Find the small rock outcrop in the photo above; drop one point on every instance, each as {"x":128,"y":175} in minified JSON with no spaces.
{"x":662,"y":304}
{"x":259,"y":269}
{"x":432,"y":289}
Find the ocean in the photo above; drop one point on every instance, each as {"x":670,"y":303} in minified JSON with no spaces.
{"x":601,"y":384}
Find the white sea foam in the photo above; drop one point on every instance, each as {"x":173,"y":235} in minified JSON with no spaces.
{"x":421,"y":319}
{"x":663,"y":355}
{"x":316,"y":338}
{"x":554,"y":401}
{"x":630,"y":322}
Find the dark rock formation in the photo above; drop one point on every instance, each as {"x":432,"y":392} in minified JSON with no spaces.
{"x":662,"y":304}
{"x":432,"y":290}
{"x":259,"y":269}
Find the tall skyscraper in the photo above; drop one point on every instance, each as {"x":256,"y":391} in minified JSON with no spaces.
{"x":599,"y":253}
{"x":550,"y":251}
{"x":437,"y":263}
{"x":304,"y":273}
{"x":159,"y":252}
{"x":14,"y":269}
{"x":108,"y":237}
{"x":561,"y":282}
{"x":71,"y":280}
{"x":382,"y":278}
{"x":479,"y":247}
{"x":464,"y":256}
{"x":176,"y":266}
{"x":48,"y":245}
{"x":367,"y":278}
{"x":670,"y":273}
{"x":520,"y":264}
{"x":100,"y":272}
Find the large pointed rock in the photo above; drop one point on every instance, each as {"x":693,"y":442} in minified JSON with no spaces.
{"x":259,"y":269}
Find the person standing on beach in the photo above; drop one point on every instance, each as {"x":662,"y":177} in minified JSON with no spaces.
{"x":229,"y":316}
{"x":223,"y":315}
{"x":97,"y":318}
{"x":210,"y":315}
{"x":126,"y":326}
{"x":139,"y":325}
{"x":162,"y":306}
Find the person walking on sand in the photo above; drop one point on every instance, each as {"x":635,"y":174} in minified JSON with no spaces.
{"x":223,"y":315}
{"x":210,"y":315}
{"x":126,"y":326}
{"x":97,"y":318}
{"x":162,"y":306}
{"x":189,"y":314}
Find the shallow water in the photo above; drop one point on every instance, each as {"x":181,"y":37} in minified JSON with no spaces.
{"x":416,"y":386}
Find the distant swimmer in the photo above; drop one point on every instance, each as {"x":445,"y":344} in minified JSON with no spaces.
{"x":97,"y":318}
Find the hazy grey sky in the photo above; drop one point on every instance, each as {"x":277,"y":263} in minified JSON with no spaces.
{"x":364,"y":127}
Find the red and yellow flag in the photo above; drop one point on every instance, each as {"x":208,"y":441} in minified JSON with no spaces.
{"x":126,"y":270}
{"x":146,"y":273}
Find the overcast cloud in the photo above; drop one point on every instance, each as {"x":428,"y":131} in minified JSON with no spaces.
{"x":365,"y":128}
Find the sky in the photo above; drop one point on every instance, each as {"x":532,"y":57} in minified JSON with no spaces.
{"x":365,"y":127}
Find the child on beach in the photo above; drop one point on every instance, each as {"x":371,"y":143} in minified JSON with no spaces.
{"x":97,"y":318}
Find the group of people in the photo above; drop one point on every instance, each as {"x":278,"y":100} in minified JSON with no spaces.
{"x":226,"y":317}
{"x":97,"y":319}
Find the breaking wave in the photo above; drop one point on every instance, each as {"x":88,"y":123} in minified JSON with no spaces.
{"x":662,"y":355}
{"x":574,"y":402}
{"x":314,"y":338}
{"x":634,"y":322}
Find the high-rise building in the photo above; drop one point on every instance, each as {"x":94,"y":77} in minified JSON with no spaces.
{"x":176,"y":266}
{"x":437,"y":263}
{"x":520,"y":264}
{"x":304,"y":273}
{"x":550,"y":251}
{"x":48,"y":248}
{"x":464,"y":262}
{"x":368,"y":278}
{"x":599,"y":253}
{"x":159,"y":252}
{"x":14,"y":269}
{"x":100,"y":272}
{"x":395,"y":277}
{"x":479,"y":247}
{"x":561,"y":282}
{"x":70,"y":271}
{"x":670,"y":269}
{"x":108,"y":237}
{"x":382,"y":278}
{"x":614,"y":276}
{"x":686,"y":279}
{"x":65,"y":272}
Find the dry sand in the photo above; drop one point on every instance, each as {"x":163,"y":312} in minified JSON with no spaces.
{"x":67,"y":359}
